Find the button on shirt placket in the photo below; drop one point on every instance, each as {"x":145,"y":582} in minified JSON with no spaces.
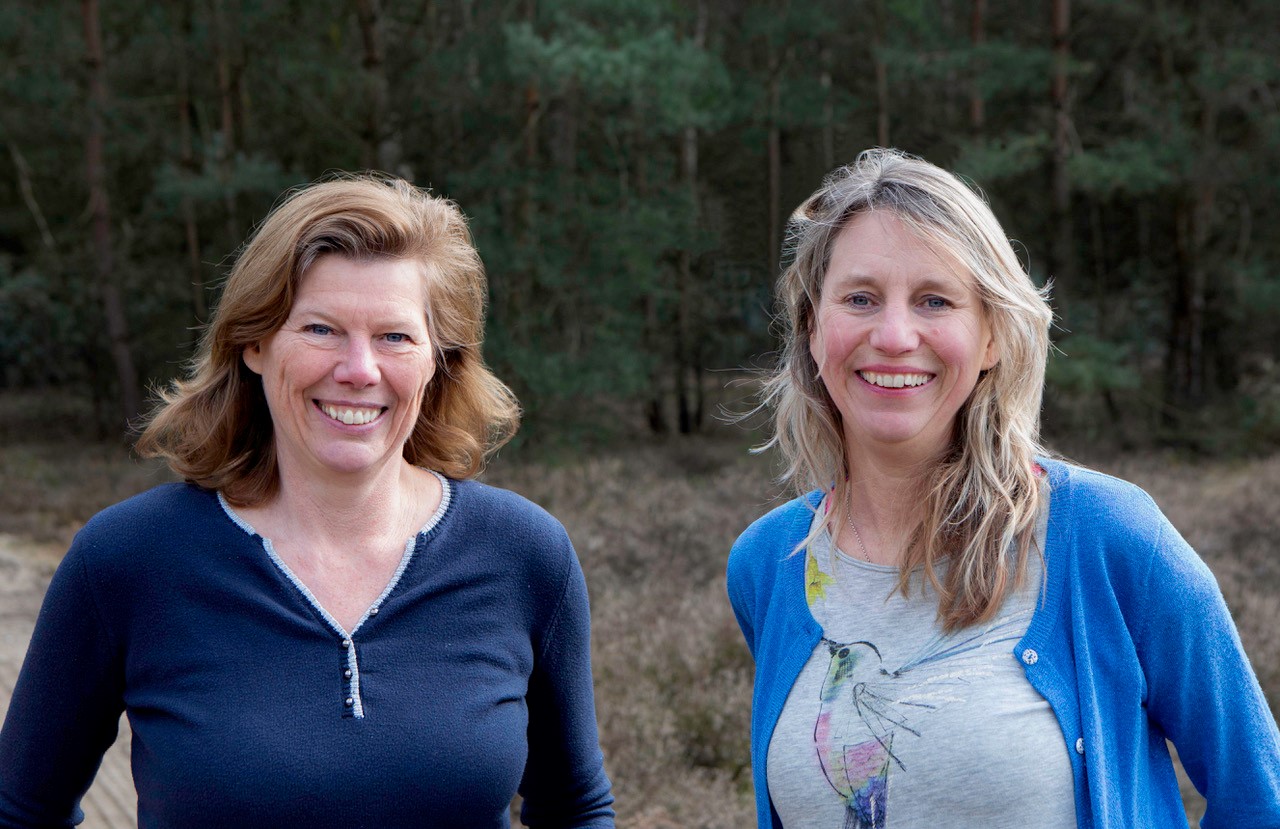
{"x":351,"y":706}
{"x":1029,"y":658}
{"x":349,"y":665}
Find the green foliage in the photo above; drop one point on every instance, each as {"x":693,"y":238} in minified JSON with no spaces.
{"x":651,"y":72}
{"x":39,"y":342}
{"x":620,"y":267}
{"x":245,"y":174}
{"x":997,"y":159}
{"x":1129,"y":166}
{"x":1083,"y":365}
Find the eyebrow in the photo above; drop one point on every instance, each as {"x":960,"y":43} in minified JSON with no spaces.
{"x":397,"y":321}
{"x":944,"y":283}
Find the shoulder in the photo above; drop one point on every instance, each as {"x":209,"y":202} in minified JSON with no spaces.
{"x":1114,"y":530}
{"x":1101,"y":495}
{"x":161,"y":513}
{"x":507,"y":532}
{"x":1096,"y":508}
{"x":771,"y":538}
{"x":786,"y":521}
{"x":503,"y":512}
{"x":150,"y":538}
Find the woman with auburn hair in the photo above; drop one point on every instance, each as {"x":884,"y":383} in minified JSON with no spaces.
{"x":329,"y":624}
{"x":948,"y":625}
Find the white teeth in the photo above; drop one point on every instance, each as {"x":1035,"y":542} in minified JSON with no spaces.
{"x":357,"y":417}
{"x":894,"y":381}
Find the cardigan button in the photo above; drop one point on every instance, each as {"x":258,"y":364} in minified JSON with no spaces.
{"x":346,"y":643}
{"x":1030,"y":657}
{"x":1080,"y":745}
{"x":346,"y":674}
{"x":373,"y":611}
{"x":348,"y":702}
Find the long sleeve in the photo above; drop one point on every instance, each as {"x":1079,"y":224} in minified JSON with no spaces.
{"x":1134,"y":644}
{"x":65,"y":707}
{"x":1203,"y":692}
{"x":739,"y":596}
{"x":565,"y":784}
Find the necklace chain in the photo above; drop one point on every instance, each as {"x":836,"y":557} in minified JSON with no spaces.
{"x":848,"y":517}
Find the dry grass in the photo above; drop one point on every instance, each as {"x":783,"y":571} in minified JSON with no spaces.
{"x":653,"y":526}
{"x":50,"y":489}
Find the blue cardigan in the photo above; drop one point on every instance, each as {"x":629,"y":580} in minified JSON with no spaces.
{"x":469,"y":679}
{"x":1131,"y":643}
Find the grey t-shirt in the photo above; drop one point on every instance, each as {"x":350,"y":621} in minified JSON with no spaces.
{"x":893,"y":723}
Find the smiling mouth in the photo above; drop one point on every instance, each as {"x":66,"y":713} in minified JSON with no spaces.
{"x":351,"y":416}
{"x":895,"y":381}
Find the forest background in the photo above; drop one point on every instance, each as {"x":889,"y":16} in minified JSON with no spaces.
{"x":628,"y":167}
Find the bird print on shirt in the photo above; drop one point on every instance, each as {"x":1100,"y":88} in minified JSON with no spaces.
{"x":865,"y":709}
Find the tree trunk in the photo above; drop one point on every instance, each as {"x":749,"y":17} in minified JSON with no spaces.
{"x":224,"y":50}
{"x":689,"y":418}
{"x":882,"y":74}
{"x":828,"y":113}
{"x":381,"y":147}
{"x":978,"y":38}
{"x":775,"y":160}
{"x":1181,"y":375}
{"x":473,"y":59}
{"x":1186,"y":384}
{"x":23,"y":171}
{"x":190,"y":167}
{"x":508,"y":290}
{"x":1061,"y":258}
{"x":100,"y":217}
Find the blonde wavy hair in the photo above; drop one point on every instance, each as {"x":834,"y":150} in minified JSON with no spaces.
{"x":213,"y":426}
{"x":980,"y":511}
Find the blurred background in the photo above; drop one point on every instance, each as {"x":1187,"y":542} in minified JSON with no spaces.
{"x":628,"y":167}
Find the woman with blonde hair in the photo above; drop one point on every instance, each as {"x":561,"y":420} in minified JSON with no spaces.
{"x":948,"y":625}
{"x":329,"y":624}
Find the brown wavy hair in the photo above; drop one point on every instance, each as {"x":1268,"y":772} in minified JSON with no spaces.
{"x":980,"y":509}
{"x":213,"y":426}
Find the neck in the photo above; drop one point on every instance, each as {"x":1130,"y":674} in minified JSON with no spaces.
{"x":343,"y":509}
{"x":884,"y":498}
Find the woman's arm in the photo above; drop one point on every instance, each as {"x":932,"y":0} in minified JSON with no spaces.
{"x":564,"y":782}
{"x":1204,"y":694}
{"x":65,"y":708}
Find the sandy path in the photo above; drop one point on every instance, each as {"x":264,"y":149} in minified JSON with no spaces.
{"x":24,"y":574}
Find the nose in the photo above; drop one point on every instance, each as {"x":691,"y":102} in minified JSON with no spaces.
{"x":895,"y":331}
{"x":357,"y":365}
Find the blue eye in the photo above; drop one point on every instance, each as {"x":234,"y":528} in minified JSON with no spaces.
{"x":859,"y":300}
{"x":936,"y":303}
{"x":317,"y":328}
{"x":397,"y":338}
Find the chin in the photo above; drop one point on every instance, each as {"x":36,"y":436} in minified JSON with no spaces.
{"x":899,"y":435}
{"x":348,"y":463}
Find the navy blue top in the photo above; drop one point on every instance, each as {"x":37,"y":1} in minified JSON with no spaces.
{"x":470,"y":680}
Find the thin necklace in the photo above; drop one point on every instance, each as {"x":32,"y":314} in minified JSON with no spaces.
{"x":848,"y":516}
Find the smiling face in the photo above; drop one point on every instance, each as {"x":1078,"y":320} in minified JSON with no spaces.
{"x":899,"y":338}
{"x":345,"y":375}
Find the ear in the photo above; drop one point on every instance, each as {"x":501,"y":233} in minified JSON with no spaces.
{"x":992,"y":356}
{"x":252,"y":357}
{"x":815,"y":340}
